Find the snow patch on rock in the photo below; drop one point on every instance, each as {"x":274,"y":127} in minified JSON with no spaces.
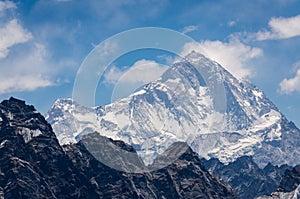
{"x":28,"y":134}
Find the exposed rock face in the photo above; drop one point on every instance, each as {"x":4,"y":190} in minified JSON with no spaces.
{"x":283,"y":195}
{"x":34,"y":165}
{"x":246,"y":178}
{"x":185,"y":178}
{"x":290,"y":180}
{"x":289,"y":187}
{"x":180,"y":107}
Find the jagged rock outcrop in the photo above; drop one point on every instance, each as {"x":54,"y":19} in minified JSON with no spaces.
{"x":34,"y":165}
{"x":184,"y":178}
{"x":291,"y":180}
{"x":245,"y":177}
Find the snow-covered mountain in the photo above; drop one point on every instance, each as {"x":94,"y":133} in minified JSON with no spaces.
{"x":187,"y":104}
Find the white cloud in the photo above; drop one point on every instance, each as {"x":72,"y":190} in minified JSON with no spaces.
{"x":167,"y":59}
{"x":25,"y":72}
{"x":23,"y":83}
{"x":231,"y":23}
{"x":30,"y":70}
{"x":107,"y":48}
{"x":290,"y":85}
{"x":113,"y":75}
{"x":233,"y":55}
{"x":281,"y":28}
{"x":137,"y":75}
{"x":25,"y":67}
{"x":5,"y":5}
{"x":11,"y":32}
{"x":188,"y":29}
{"x":142,"y":71}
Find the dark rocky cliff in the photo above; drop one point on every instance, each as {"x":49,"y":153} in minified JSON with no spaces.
{"x":34,"y":165}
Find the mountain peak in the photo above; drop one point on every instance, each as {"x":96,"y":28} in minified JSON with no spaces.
{"x":15,"y":109}
{"x":64,"y":101}
{"x":196,"y":100}
{"x":12,"y":99}
{"x":25,"y":120}
{"x":196,"y":56}
{"x":15,"y":105}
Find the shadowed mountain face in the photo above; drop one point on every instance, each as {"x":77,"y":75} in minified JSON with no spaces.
{"x":290,"y":180}
{"x":246,"y":178}
{"x":185,"y":178}
{"x":289,"y":187}
{"x":34,"y":165}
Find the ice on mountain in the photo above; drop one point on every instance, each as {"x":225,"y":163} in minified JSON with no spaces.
{"x":257,"y":93}
{"x":28,"y":134}
{"x":283,"y":195}
{"x":10,"y":116}
{"x":2,"y":144}
{"x":181,"y":106}
{"x":269,"y":119}
{"x":72,"y":120}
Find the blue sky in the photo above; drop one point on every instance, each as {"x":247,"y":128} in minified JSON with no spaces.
{"x":43,"y":43}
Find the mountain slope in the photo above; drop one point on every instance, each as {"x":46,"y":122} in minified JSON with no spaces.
{"x":34,"y":165}
{"x":184,"y":178}
{"x":185,"y":104}
{"x":245,"y":177}
{"x":290,"y":180}
{"x":289,"y":187}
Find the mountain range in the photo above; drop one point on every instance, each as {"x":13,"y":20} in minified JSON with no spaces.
{"x":224,"y":137}
{"x":34,"y":165}
{"x":183,"y":106}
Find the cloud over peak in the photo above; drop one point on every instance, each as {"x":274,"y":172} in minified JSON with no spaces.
{"x":233,"y":55}
{"x":127,"y":81}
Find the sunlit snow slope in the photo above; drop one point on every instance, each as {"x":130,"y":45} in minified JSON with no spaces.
{"x":181,"y":106}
